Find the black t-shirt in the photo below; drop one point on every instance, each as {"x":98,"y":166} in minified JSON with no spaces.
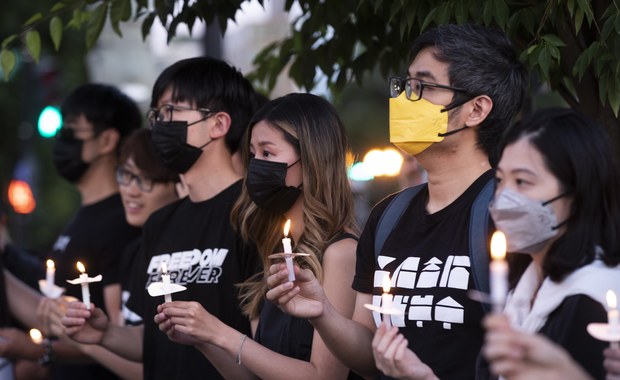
{"x":128,"y":266}
{"x":97,"y":235}
{"x":428,"y":260}
{"x":204,"y":254}
{"x":567,"y":326}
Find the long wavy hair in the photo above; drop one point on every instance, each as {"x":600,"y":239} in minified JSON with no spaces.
{"x":312,"y":126}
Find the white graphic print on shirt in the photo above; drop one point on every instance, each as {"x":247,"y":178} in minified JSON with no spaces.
{"x":193,"y":266}
{"x":411,"y":274}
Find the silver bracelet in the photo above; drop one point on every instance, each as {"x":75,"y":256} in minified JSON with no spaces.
{"x":240,"y":348}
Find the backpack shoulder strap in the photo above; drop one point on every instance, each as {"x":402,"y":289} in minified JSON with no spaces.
{"x":391,"y":215}
{"x":478,"y":238}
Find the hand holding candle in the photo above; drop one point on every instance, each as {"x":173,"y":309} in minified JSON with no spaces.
{"x":288,"y":251}
{"x":84,"y":280}
{"x":499,"y":271}
{"x":610,"y":331}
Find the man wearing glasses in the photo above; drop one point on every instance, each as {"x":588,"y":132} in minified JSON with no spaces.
{"x":463,"y":86}
{"x":200,"y":109}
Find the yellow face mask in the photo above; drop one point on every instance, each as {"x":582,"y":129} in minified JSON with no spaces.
{"x":414,"y":126}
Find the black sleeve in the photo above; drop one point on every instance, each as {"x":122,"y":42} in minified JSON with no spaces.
{"x":567,"y":327}
{"x":24,"y":265}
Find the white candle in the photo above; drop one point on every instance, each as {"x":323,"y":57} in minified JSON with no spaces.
{"x":36,"y":336}
{"x":84,"y":284}
{"x":386,"y":300}
{"x":286,"y":243}
{"x":613,"y":318}
{"x":499,"y":271}
{"x":165,"y":278}
{"x":49,"y":273}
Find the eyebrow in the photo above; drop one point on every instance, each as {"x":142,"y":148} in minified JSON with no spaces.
{"x":262,"y":144}
{"x":518,"y":171}
{"x":423,"y":74}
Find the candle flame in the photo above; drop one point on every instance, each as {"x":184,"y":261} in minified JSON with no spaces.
{"x":50,"y":264}
{"x":498,"y":245}
{"x":386,"y":284}
{"x":611,"y":299}
{"x":36,"y":336}
{"x":81,"y":267}
{"x":287,"y":227}
{"x":164,"y":267}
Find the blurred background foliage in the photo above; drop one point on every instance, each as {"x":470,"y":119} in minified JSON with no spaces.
{"x":349,"y":47}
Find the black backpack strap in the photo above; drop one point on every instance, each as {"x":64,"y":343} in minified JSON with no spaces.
{"x":478,"y":238}
{"x":391,"y":215}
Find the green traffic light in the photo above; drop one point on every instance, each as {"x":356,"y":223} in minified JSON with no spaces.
{"x":50,"y":120}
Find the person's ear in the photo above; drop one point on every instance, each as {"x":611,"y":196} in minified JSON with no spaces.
{"x":221,"y":126}
{"x":109,"y":140}
{"x":480,"y":107}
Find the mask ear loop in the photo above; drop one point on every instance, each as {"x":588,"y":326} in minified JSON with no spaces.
{"x":555,"y":199}
{"x":452,"y":106}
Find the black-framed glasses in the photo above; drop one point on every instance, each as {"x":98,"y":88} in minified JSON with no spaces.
{"x":414,"y":88}
{"x":124,"y":177}
{"x":165,"y":113}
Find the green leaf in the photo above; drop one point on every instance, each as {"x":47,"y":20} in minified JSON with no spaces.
{"x":501,"y":13}
{"x":33,"y":44}
{"x":120,"y":10}
{"x":460,"y":12}
{"x":95,"y":24}
{"x":553,"y":40}
{"x":58,"y":6}
{"x":33,"y":19}
{"x":578,"y":20}
{"x":7,"y":61}
{"x":429,"y":19}
{"x":56,"y":31}
{"x":146,"y":24}
{"x":8,"y":40}
{"x":544,"y":61}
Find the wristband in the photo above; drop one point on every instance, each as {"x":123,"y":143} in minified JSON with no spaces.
{"x":48,"y":354}
{"x":240,"y":348}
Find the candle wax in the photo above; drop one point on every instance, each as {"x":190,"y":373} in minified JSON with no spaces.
{"x":499,"y":283}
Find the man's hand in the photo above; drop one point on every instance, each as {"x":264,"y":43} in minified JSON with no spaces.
{"x":83,"y":325}
{"x":395,"y":359}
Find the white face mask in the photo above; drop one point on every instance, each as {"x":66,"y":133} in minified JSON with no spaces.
{"x":528,"y":224}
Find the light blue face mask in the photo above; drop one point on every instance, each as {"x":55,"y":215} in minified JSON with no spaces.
{"x":528,"y":224}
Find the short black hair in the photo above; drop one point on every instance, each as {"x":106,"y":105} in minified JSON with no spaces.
{"x":139,"y":147}
{"x":104,"y":106}
{"x":210,"y":83}
{"x":579,"y":153}
{"x":482,"y":61}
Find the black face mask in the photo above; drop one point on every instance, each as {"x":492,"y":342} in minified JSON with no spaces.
{"x":267,"y":187}
{"x":169,"y":138}
{"x":67,"y":156}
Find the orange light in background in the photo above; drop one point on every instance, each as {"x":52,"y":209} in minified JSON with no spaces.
{"x":20,"y":197}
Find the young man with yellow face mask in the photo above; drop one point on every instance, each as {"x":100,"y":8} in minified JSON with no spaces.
{"x":463,"y":87}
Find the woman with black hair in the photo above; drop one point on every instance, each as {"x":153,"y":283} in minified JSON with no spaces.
{"x":557,"y":201}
